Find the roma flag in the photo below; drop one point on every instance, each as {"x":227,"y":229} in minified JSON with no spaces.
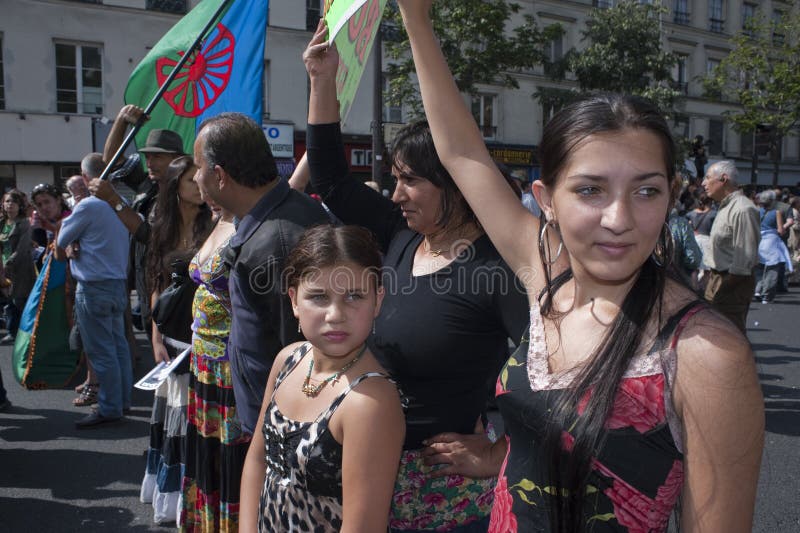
{"x":225,"y":74}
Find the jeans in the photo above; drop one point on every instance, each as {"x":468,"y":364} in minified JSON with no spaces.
{"x":100,"y":312}
{"x":768,"y":277}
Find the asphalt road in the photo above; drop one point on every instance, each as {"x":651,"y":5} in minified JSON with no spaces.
{"x":54,"y":478}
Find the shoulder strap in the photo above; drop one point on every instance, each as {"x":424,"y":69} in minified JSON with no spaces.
{"x":291,"y":362}
{"x":675,"y":324}
{"x":325,"y":415}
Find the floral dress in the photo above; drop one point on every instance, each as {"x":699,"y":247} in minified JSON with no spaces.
{"x":215,"y":445}
{"x":636,"y":477}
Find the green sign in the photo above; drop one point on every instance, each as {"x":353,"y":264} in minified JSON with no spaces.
{"x":353,"y":25}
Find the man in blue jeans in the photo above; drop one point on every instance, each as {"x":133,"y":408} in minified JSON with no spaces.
{"x":100,"y":268}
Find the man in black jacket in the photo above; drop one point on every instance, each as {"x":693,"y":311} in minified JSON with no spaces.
{"x":235,"y":168}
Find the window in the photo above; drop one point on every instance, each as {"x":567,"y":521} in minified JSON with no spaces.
{"x":167,"y":6}
{"x":679,"y":74}
{"x":777,"y":32}
{"x":680,"y":125}
{"x":391,"y":113}
{"x":79,"y":79}
{"x":603,"y":4}
{"x":681,"y":12}
{"x":715,"y":21}
{"x":483,"y":109}
{"x":313,"y":14}
{"x":711,"y":66}
{"x":2,"y":78}
{"x":748,"y":12}
{"x":746,"y":144}
{"x":716,"y":134}
{"x":557,"y":48}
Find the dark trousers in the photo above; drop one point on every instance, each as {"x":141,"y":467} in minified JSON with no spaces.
{"x":730,"y":294}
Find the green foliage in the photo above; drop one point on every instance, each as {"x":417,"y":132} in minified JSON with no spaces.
{"x":624,"y":54}
{"x":762,"y":75}
{"x":475,"y":43}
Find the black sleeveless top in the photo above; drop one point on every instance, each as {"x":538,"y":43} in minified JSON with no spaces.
{"x":636,"y":477}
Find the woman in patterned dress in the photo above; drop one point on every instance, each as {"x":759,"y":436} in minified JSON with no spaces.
{"x":631,"y":393}
{"x":215,"y":445}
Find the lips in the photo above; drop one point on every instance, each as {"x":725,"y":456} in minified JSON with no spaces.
{"x":335,"y":336}
{"x":614,"y":248}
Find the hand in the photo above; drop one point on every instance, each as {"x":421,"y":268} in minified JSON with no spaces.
{"x":73,"y":250}
{"x":104,"y":190}
{"x":130,"y":114}
{"x":160,"y":352}
{"x":468,"y":455}
{"x":320,"y":59}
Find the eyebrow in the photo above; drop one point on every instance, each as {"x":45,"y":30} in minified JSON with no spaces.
{"x":596,"y":177}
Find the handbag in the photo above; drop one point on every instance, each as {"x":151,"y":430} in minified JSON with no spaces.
{"x":172,"y":312}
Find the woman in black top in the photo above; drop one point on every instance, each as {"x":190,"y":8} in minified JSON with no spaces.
{"x":451,"y":304}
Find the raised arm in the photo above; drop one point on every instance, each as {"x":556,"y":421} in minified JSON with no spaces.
{"x":127,"y":116}
{"x":349,"y":199}
{"x":463,"y":152}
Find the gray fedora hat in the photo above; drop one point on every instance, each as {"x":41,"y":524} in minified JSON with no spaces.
{"x":164,"y":142}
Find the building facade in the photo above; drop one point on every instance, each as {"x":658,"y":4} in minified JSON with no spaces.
{"x":64,"y":65}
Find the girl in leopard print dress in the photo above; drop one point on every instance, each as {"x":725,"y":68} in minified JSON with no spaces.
{"x":331,"y":424}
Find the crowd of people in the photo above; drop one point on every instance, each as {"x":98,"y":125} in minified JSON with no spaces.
{"x":343,"y":347}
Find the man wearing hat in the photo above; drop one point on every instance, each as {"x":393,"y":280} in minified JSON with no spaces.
{"x":160,"y":149}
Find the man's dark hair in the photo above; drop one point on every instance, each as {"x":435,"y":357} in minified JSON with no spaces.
{"x":237,"y":144}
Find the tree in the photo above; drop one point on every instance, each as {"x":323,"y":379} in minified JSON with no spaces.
{"x":624,"y":54}
{"x":475,"y":43}
{"x":762,"y":75}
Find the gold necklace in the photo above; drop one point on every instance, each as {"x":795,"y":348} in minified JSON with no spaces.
{"x":311,"y":391}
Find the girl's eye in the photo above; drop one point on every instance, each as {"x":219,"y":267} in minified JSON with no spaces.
{"x":649,"y":192}
{"x":588,"y":190}
{"x":354,"y":296}
{"x":318,"y":297}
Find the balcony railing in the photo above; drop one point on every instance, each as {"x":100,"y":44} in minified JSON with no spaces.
{"x":716,"y":25}
{"x":681,"y":17}
{"x":167,"y":6}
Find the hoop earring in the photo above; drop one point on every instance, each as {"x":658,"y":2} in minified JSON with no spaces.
{"x":663,"y":252}
{"x":543,"y":238}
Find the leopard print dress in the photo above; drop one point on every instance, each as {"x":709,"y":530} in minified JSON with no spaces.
{"x":303,"y":484}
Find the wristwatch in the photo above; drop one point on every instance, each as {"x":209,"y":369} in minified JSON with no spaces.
{"x":119,"y":207}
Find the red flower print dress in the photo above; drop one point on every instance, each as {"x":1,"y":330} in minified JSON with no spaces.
{"x":637,"y":476}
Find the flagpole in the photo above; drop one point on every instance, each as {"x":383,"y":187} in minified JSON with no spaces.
{"x":163,"y":89}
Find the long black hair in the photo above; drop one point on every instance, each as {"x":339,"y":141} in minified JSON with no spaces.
{"x":166,"y":225}
{"x":569,"y":470}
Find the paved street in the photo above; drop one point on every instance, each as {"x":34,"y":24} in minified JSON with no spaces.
{"x":55,"y":478}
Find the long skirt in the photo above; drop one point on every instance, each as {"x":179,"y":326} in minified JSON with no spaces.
{"x":166,"y":455}
{"x":215,"y":450}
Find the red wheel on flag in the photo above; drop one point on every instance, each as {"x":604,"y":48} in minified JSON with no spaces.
{"x":203,"y":77}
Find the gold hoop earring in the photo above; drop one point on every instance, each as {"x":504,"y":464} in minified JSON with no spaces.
{"x":543,"y":250}
{"x":663,"y":252}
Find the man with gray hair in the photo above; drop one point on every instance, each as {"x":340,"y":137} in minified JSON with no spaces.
{"x":733,"y":245}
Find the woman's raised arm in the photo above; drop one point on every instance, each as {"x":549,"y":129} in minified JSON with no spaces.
{"x":463,"y":153}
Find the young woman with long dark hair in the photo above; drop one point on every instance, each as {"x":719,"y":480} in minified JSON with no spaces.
{"x":631,"y":394}
{"x":181,"y":223}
